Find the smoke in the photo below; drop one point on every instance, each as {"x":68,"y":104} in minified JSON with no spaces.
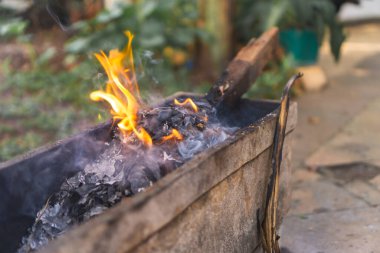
{"x":59,"y":14}
{"x":25,"y":185}
{"x":125,"y":168}
{"x":57,"y":19}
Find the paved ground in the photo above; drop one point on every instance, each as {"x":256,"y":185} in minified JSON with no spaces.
{"x":336,"y":186}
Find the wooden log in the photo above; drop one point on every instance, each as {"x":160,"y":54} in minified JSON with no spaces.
{"x":243,"y":70}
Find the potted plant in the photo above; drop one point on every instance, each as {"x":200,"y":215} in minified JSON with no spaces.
{"x":303,"y":25}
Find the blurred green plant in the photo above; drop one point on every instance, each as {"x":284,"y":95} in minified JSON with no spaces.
{"x":53,"y":103}
{"x":40,"y":105}
{"x":11,"y":27}
{"x":314,"y":15}
{"x":270,"y":83}
{"x":156,"y":24}
{"x":165,"y":32}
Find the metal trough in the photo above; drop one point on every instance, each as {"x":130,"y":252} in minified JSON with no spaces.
{"x":216,"y":202}
{"x":210,"y":204}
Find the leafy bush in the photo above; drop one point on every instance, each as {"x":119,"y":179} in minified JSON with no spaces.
{"x":11,"y":27}
{"x":315,"y":15}
{"x":156,"y":24}
{"x":40,"y":105}
{"x":165,"y":32}
{"x":271,"y":82}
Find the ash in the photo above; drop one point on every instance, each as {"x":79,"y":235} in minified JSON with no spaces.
{"x":126,"y":168}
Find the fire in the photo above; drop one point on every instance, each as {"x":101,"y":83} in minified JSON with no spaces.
{"x":122,"y":92}
{"x":123,"y":95}
{"x":188,"y":102}
{"x":174,"y":135}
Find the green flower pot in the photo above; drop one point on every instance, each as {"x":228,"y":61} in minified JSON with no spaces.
{"x":301,"y":44}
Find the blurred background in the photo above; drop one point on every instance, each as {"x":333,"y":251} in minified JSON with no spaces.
{"x":47,"y":70}
{"x":47,"y":67}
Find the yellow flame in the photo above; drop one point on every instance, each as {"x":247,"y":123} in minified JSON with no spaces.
{"x":187,"y":101}
{"x":123,"y":95}
{"x":122,"y":92}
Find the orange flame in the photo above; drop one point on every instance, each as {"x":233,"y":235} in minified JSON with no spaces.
{"x":188,"y":101}
{"x":122,"y":92}
{"x":123,"y":95}
{"x":174,"y":135}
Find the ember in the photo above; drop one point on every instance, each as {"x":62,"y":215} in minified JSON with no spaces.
{"x":148,"y":143}
{"x":174,"y":135}
{"x":187,"y":101}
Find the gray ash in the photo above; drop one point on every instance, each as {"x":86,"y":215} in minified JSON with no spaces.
{"x":126,"y":168}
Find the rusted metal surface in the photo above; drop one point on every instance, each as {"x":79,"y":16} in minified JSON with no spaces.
{"x":224,"y":218}
{"x":27,"y":181}
{"x":180,"y":201}
{"x":221,"y":220}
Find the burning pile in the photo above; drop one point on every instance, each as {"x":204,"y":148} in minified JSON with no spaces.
{"x":147,"y":144}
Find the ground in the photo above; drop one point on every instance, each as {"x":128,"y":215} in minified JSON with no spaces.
{"x":336,"y":161}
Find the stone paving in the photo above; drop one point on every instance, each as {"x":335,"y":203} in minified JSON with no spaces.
{"x":336,"y":183}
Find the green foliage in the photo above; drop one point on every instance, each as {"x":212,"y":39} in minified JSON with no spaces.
{"x":315,"y":15}
{"x":164,"y":31}
{"x":41,"y":105}
{"x":271,"y":82}
{"x":11,"y":27}
{"x":156,"y":24}
{"x":48,"y":104}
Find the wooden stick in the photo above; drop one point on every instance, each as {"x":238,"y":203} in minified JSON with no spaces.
{"x":243,"y":70}
{"x":269,"y":235}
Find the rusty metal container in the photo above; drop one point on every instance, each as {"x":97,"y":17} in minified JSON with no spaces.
{"x":212,"y":203}
{"x":215,"y":202}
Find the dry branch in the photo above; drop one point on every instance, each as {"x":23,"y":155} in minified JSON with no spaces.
{"x":244,"y":69}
